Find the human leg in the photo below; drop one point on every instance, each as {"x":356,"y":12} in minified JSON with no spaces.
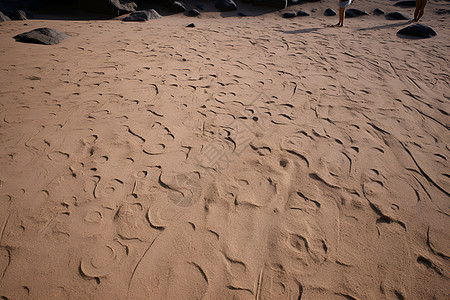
{"x":421,"y":9}
{"x":341,"y":16}
{"x":416,"y":12}
{"x":420,"y":5}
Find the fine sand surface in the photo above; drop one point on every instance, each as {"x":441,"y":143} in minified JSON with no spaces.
{"x":245,"y":158}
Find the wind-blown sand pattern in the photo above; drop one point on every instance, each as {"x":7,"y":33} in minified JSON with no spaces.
{"x":254,"y":159}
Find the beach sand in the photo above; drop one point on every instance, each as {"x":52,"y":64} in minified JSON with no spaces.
{"x":245,"y":158}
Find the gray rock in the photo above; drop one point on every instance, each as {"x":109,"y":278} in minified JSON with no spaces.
{"x":396,"y":16}
{"x":178,"y":6}
{"x":45,"y":36}
{"x":418,"y":30}
{"x":18,"y":15}
{"x":353,"y":13}
{"x":288,"y":15}
{"x":194,"y":12}
{"x":110,"y":7}
{"x":226,"y":5}
{"x":302,"y":13}
{"x":272,"y":3}
{"x":4,"y":18}
{"x":407,"y":3}
{"x":378,"y":12}
{"x":142,"y":15}
{"x":329,"y":12}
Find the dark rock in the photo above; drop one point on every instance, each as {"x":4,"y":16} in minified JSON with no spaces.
{"x":378,"y":11}
{"x":272,"y":3}
{"x":226,"y":5}
{"x":242,"y":14}
{"x":329,"y":12}
{"x":407,"y":3}
{"x":294,"y":2}
{"x":314,"y":10}
{"x":110,"y":7}
{"x":396,"y":16}
{"x":191,"y":25}
{"x":302,"y":13}
{"x":288,"y":15}
{"x":194,"y":13}
{"x":417,"y":30}
{"x":4,"y":18}
{"x":353,"y":13}
{"x":142,"y":15}
{"x":18,"y":15}
{"x":46,"y":36}
{"x":10,"y":6}
{"x":178,"y":6}
{"x":200,"y":6}
{"x":153,"y":14}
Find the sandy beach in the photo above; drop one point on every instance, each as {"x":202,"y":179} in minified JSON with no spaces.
{"x":245,"y":158}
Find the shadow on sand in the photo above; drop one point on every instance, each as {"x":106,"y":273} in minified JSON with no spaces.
{"x":386,"y":26}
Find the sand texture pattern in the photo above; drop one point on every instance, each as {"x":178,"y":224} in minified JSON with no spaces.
{"x":252,"y":158}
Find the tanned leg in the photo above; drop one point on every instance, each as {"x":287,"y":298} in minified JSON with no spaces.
{"x":422,"y":9}
{"x":341,"y":16}
{"x":416,"y":12}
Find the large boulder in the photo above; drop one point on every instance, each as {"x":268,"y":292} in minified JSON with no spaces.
{"x":142,"y":16}
{"x":378,"y":12}
{"x":45,"y":36}
{"x":10,"y":6}
{"x":329,"y":12}
{"x":226,"y":5}
{"x":4,"y":18}
{"x":353,"y":13}
{"x":417,"y":30}
{"x":110,"y":7}
{"x":178,"y":6}
{"x":406,"y":3}
{"x":194,"y":12}
{"x":272,"y":3}
{"x":18,"y":15}
{"x":396,"y":16}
